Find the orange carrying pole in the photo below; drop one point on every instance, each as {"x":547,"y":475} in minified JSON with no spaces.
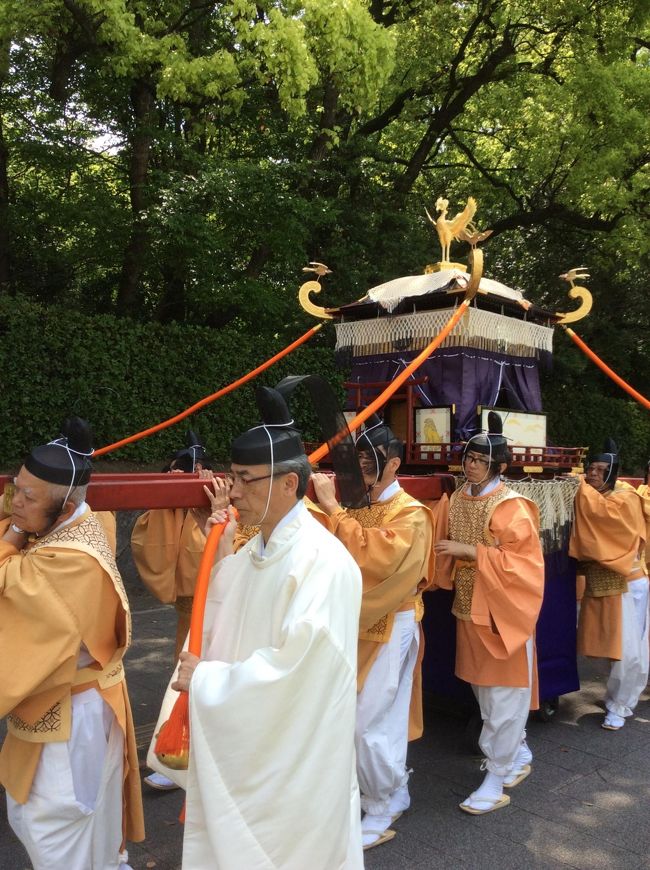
{"x":131,"y":439}
{"x":173,"y":742}
{"x":605,"y":368}
{"x":381,"y":400}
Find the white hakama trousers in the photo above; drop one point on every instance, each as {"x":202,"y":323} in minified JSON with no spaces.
{"x":72,"y":819}
{"x":381,"y":735}
{"x":504,"y":710}
{"x":629,"y":676}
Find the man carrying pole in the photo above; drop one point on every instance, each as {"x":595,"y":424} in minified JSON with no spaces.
{"x":271,"y":780}
{"x":608,"y":539}
{"x":69,"y":762}
{"x":391,"y":541}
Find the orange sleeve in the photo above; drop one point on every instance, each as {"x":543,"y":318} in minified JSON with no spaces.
{"x":509,"y":579}
{"x":155,"y":543}
{"x":609,"y":529}
{"x":444,"y":565}
{"x":395,"y":559}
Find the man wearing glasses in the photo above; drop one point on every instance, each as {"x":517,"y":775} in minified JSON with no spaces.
{"x":608,"y":539}
{"x":491,"y":556}
{"x":271,"y":780}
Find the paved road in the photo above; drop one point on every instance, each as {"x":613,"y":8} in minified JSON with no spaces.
{"x":586,"y":805}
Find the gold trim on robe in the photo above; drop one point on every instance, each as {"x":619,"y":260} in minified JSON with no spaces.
{"x":609,"y":532}
{"x":62,"y":591}
{"x":507,"y":591}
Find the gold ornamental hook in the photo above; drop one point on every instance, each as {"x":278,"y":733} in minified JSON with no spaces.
{"x":310,"y":287}
{"x":576,"y":292}
{"x":475,"y":261}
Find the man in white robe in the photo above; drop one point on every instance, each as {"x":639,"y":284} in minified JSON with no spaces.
{"x":272,"y":781}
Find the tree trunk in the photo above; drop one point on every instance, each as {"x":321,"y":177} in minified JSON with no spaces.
{"x":172,"y":302}
{"x":5,"y":268}
{"x":142,"y":100}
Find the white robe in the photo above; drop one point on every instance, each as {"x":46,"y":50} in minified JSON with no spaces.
{"x":272,"y":782}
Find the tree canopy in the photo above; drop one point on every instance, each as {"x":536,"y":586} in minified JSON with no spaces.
{"x":182,"y":160}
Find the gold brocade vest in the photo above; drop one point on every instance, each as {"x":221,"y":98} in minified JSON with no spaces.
{"x":374,"y":517}
{"x":600,"y":581}
{"x":243,"y":535}
{"x":469,"y":520}
{"x":53,"y":724}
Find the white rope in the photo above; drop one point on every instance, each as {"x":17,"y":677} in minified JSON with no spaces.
{"x":63,"y":443}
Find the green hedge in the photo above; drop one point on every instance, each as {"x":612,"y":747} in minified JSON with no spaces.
{"x":125,"y":376}
{"x":588,"y":417}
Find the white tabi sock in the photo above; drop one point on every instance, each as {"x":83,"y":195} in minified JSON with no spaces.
{"x":488,"y":793}
{"x":400,"y":800}
{"x":372,"y":827}
{"x":491,"y":787}
{"x":520,"y":766}
{"x":524,"y":756}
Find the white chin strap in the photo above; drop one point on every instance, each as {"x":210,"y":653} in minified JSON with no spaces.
{"x":611,"y":465}
{"x":487,"y":470}
{"x":266,"y":427}
{"x":63,"y":442}
{"x":356,"y":440}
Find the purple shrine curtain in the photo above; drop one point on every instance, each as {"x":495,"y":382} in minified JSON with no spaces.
{"x":464,"y":377}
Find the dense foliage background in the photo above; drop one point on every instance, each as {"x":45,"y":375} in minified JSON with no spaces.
{"x":167,"y":167}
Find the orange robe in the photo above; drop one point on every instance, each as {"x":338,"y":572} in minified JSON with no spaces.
{"x":644,"y":492}
{"x":608,"y":529}
{"x":391,"y":542}
{"x":508,"y":587}
{"x":62,"y":591}
{"x":167,"y":546}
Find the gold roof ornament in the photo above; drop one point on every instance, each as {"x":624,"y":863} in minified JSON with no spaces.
{"x":576,"y":292}
{"x":449,"y":230}
{"x":474,"y":237}
{"x":310,"y":287}
{"x":319,"y":268}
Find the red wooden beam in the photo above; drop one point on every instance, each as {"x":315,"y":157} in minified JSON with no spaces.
{"x":128,"y":492}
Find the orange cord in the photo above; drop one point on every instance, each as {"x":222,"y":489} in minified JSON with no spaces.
{"x":208,"y":399}
{"x":201,"y":588}
{"x":611,"y":374}
{"x":173,"y":739}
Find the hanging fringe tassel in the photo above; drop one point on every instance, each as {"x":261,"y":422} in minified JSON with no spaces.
{"x":479,"y":329}
{"x":554,"y":499}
